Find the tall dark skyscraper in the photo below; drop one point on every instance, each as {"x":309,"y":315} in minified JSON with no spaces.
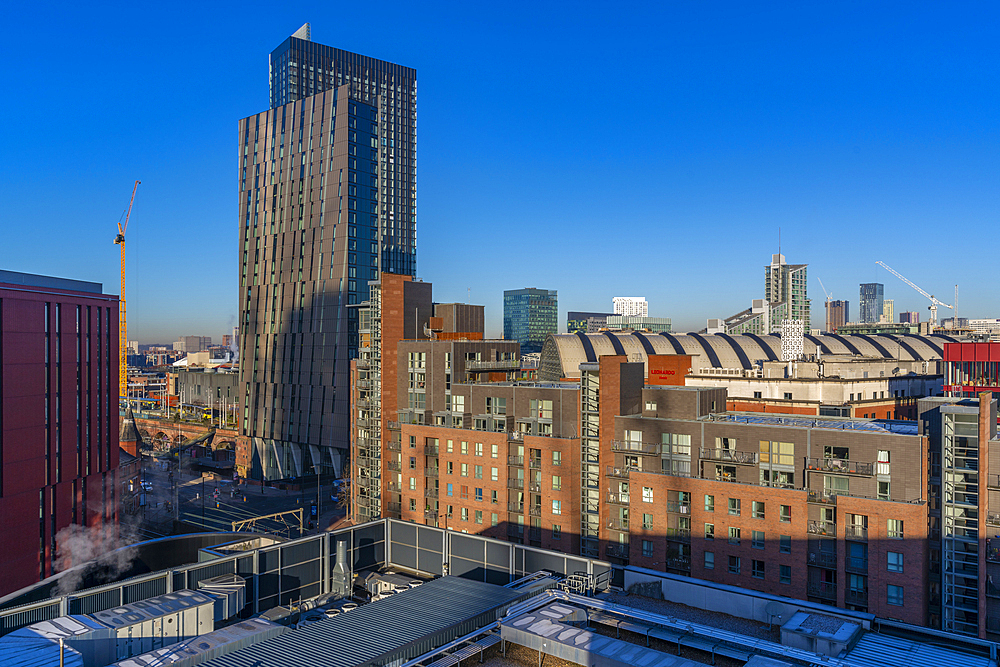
{"x":529,"y":315}
{"x":871,"y":298}
{"x":327,"y":198}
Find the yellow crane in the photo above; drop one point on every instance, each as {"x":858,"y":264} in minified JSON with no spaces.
{"x":122,"y":326}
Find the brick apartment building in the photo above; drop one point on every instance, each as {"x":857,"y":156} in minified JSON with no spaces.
{"x":623,"y":462}
{"x":58,"y":418}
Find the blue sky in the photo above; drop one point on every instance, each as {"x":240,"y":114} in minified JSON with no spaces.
{"x":595,"y":149}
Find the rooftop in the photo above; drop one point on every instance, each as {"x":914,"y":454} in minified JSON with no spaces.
{"x":874,"y":426}
{"x":50,"y":282}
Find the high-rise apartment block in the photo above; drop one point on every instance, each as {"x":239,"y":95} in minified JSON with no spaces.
{"x":789,"y":284}
{"x":632,"y":306}
{"x":909,"y":317}
{"x":327,"y":183}
{"x":888,"y":311}
{"x":193,"y":343}
{"x":871,"y":300}
{"x":529,"y":315}
{"x":58,"y":420}
{"x":837,"y":315}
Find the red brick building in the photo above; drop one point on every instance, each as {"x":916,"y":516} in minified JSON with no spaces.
{"x":58,"y":420}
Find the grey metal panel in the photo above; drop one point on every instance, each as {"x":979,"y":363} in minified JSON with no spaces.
{"x":429,"y":561}
{"x":299,"y":553}
{"x":498,"y":555}
{"x":404,"y":533}
{"x":430,"y":538}
{"x":269,"y":560}
{"x":464,"y":546}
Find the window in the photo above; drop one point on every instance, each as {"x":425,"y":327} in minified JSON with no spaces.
{"x":413,"y":442}
{"x":734,"y":506}
{"x":413,"y":504}
{"x":650,"y":405}
{"x":465,"y":448}
{"x":413,"y":484}
{"x":785,"y":513}
{"x":758,"y":394}
{"x":556,"y":531}
{"x":734,"y":535}
{"x":709,"y":560}
{"x":413,"y":463}
{"x":494,"y":520}
{"x":788,"y":395}
{"x":450,"y":489}
{"x":493,"y":497}
{"x":894,"y":529}
{"x":757,"y":569}
{"x":557,"y":507}
{"x":496,"y":406}
{"x":785,"y":574}
{"x":758,"y":509}
{"x":464,"y":469}
{"x":479,"y":449}
{"x":778,"y":453}
{"x":494,"y":474}
{"x":734,"y":564}
{"x":450,"y":468}
{"x":479,"y":493}
{"x":757,"y":539}
{"x":647,"y":522}
{"x":709,"y":531}
{"x":479,"y":516}
{"x":882,"y":467}
{"x":894,"y":595}
{"x":895,"y":561}
{"x":450,"y":447}
{"x":465,"y":514}
{"x":556,"y":483}
{"x":647,"y":548}
{"x":463,"y":491}
{"x":709,"y":503}
{"x":494,"y":451}
{"x":479,"y":472}
{"x":556,"y":458}
{"x":785,"y":544}
{"x":883,"y":491}
{"x":647,"y":494}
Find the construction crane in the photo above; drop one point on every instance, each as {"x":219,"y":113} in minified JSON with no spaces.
{"x":829,"y":296}
{"x":122,"y":326}
{"x":934,"y":301}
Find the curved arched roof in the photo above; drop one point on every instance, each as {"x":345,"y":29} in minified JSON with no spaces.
{"x":562,"y":354}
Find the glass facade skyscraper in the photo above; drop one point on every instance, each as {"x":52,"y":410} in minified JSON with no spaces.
{"x":787,"y":283}
{"x":529,"y":315}
{"x":871,"y":302}
{"x":327,"y":201}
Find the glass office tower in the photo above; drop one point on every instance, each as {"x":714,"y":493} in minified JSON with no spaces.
{"x":871,"y":302}
{"x":327,"y":181}
{"x":529,"y":315}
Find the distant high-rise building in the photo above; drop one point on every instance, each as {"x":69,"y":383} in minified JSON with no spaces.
{"x":871,"y":302}
{"x":584,"y":322}
{"x":837,"y":315}
{"x":632,"y":306}
{"x":191,"y":344}
{"x":529,"y":315}
{"x":888,"y":311}
{"x":788,"y":283}
{"x":909,"y":317}
{"x":327,"y":201}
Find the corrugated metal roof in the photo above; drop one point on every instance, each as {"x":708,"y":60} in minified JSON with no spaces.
{"x":375,"y":629}
{"x":875,"y":650}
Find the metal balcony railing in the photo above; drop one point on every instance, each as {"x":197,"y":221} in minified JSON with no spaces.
{"x":535,"y":534}
{"x":617,"y":550}
{"x":679,"y":563}
{"x":827,"y":559}
{"x":431,"y":450}
{"x":856,"y":564}
{"x":432,"y":471}
{"x":856,"y":596}
{"x":678,"y":507}
{"x":822,"y":589}
{"x":535,"y":487}
{"x":856,"y":533}
{"x":430,"y":514}
{"x":395,"y":486}
{"x":992,"y":590}
{"x":827,"y":528}
{"x":516,"y":508}
{"x":618,"y":498}
{"x":394,"y":465}
{"x":394,"y":446}
{"x":364,"y":363}
{"x":393,"y":425}
{"x":993,"y":481}
{"x":393,"y":507}
{"x":515,"y":460}
{"x":515,"y":436}
{"x":993,"y":518}
{"x":535,"y":510}
{"x":535,"y":464}
{"x":515,"y":530}
{"x":730,"y":456}
{"x":635,"y":447}
{"x":822,"y":497}
{"x":431,"y":493}
{"x":484,"y":365}
{"x":515,"y":483}
{"x":618,"y":524}
{"x":679,"y":534}
{"x":618,"y":473}
{"x":993,"y":550}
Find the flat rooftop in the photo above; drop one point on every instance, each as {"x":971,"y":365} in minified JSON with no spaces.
{"x":50,"y":282}
{"x":876,"y":426}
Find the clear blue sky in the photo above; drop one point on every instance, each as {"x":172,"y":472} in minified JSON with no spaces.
{"x":597,"y":149}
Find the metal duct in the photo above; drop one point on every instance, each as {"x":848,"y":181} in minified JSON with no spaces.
{"x":340,"y":578}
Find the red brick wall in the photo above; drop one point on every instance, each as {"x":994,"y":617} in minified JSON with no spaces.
{"x":668,"y":369}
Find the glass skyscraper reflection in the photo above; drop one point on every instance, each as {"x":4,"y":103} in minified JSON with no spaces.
{"x":529,"y":315}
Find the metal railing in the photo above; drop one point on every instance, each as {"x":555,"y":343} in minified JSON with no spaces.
{"x":430,"y":514}
{"x":993,"y":481}
{"x":993,"y":550}
{"x":827,"y":559}
{"x":393,"y":425}
{"x":618,"y":524}
{"x":535,"y":487}
{"x":617,"y":550}
{"x":393,"y":507}
{"x":489,"y":365}
{"x":856,"y":596}
{"x":395,"y":486}
{"x":827,"y":528}
{"x":515,"y":483}
{"x":515,"y":530}
{"x":730,"y":456}
{"x":619,"y":473}
{"x":394,"y":465}
{"x":535,"y":463}
{"x":534,"y":533}
{"x":678,"y":507}
{"x":840,"y":466}
{"x":515,"y":436}
{"x":679,"y":534}
{"x":992,"y":590}
{"x":856,"y":564}
{"x":618,"y":498}
{"x":993,"y":518}
{"x":432,"y":471}
{"x":679,"y":563}
{"x":823,"y":497}
{"x":856,"y":533}
{"x":394,"y":446}
{"x":431,"y":492}
{"x":639,"y":447}
{"x":516,"y":508}
{"x":515,"y":460}
{"x":431,"y":450}
{"x":535,"y":510}
{"x":822,"y":589}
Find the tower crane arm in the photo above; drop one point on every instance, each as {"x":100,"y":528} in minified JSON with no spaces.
{"x":829,"y":296}
{"x":932,"y":298}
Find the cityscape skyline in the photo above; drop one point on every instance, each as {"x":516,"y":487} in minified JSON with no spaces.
{"x":895,"y":134}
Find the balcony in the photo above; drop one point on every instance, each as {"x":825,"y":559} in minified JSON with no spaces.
{"x":535,"y":464}
{"x":394,"y":446}
{"x":827,"y":559}
{"x":431,"y":450}
{"x":393,"y":426}
{"x":856,"y":533}
{"x":822,"y":589}
{"x":534,"y":534}
{"x":826,"y":528}
{"x":516,"y":508}
{"x":617,"y":551}
{"x":635,"y":447}
{"x":679,"y":534}
{"x":730,"y":456}
{"x":393,"y":507}
{"x":678,"y":507}
{"x":856,"y":565}
{"x":993,"y":551}
{"x":535,"y":487}
{"x":432,"y":471}
{"x":364,"y":363}
{"x":993,"y":481}
{"x":993,"y":518}
{"x":618,"y":498}
{"x":515,"y":530}
{"x":856,"y":596}
{"x":515,"y":483}
{"x":619,"y":525}
{"x":515,"y":436}
{"x":501,"y":365}
{"x":430,"y":514}
{"x":840,"y":466}
{"x":394,"y":465}
{"x":535,"y":510}
{"x":821,"y":497}
{"x":515,"y":460}
{"x":992,"y":591}
{"x":679,"y":563}
{"x":431,"y":493}
{"x":618,"y":473}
